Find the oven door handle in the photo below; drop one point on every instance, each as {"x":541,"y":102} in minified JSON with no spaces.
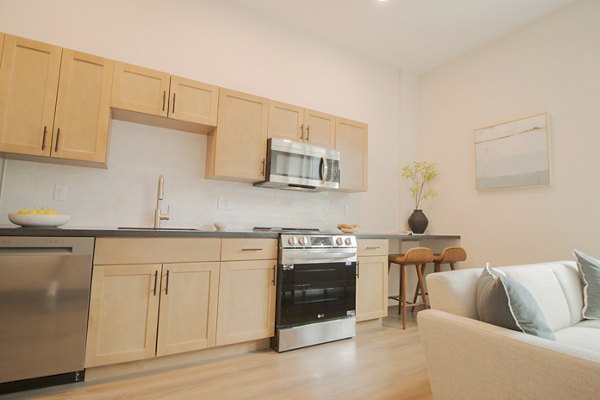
{"x":319,"y":258}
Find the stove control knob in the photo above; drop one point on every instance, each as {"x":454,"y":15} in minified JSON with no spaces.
{"x":292,"y":241}
{"x":348,"y":241}
{"x":339,"y":241}
{"x":302,"y":241}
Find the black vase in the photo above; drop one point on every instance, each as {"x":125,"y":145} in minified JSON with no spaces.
{"x":418,"y":221}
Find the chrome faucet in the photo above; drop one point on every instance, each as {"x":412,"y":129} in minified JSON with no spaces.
{"x":158,"y":215}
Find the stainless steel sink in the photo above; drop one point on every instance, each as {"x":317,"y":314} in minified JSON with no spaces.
{"x":144,"y":228}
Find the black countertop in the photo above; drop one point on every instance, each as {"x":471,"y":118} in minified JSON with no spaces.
{"x":113,"y":232}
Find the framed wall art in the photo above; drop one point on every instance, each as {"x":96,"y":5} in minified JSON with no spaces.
{"x":513,"y":154}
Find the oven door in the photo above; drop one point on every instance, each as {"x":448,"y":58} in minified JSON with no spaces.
{"x":314,"y":292}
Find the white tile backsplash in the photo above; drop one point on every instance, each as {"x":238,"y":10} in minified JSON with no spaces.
{"x":124,"y":194}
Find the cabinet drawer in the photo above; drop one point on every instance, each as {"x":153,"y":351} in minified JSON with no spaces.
{"x":372,"y":247}
{"x":248,"y":249}
{"x":155,"y":250}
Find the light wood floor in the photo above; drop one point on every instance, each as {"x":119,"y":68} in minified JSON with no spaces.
{"x":385,"y":363}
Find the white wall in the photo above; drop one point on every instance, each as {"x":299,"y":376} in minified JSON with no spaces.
{"x":550,"y":66}
{"x":214,"y":42}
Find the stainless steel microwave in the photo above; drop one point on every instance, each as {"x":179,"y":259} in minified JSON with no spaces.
{"x":300,"y":166}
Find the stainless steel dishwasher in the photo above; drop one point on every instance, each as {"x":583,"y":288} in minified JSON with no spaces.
{"x":44,"y":301}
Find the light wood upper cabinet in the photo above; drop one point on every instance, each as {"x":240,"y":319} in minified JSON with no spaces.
{"x":236,"y":148}
{"x":141,"y":94}
{"x":193,"y":101}
{"x":246,"y":301}
{"x":320,"y":128}
{"x":1,"y":45}
{"x":372,"y":279}
{"x":351,"y":140}
{"x":42,"y":115}
{"x":140,"y":89}
{"x":28,"y":86}
{"x":287,"y":121}
{"x":82,"y":119}
{"x":123,"y":313}
{"x":188,"y":307}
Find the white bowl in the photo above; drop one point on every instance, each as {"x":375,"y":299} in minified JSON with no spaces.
{"x":38,"y":220}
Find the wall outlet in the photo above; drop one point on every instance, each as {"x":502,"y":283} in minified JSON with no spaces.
{"x":223,"y":203}
{"x":60,"y":192}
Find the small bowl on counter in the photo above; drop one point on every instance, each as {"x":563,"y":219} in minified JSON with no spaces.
{"x":346,"y":228}
{"x":38,"y":220}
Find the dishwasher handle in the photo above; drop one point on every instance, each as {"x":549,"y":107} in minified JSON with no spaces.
{"x":16,"y":251}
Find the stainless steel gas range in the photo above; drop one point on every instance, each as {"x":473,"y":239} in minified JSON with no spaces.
{"x":316,"y":289}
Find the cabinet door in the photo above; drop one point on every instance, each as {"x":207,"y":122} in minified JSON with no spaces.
{"x":28,"y":86}
{"x":246,"y":301}
{"x":319,"y":128}
{"x":193,"y":101}
{"x":286,"y":121}
{"x":140,"y":89}
{"x":82,"y":120}
{"x":123,"y":313}
{"x":371,"y":288}
{"x":352,"y":142}
{"x":188,"y":307}
{"x":237,"y":147}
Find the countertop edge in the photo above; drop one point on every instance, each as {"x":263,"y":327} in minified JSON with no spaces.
{"x":111,"y":232}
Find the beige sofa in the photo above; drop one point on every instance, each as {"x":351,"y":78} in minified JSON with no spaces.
{"x":470,"y":359}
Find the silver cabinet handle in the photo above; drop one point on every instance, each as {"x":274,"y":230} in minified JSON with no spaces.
{"x":167,"y":285}
{"x":252,"y":249}
{"x":155,"y":281}
{"x":262,"y":167}
{"x":173,"y":103}
{"x":357,"y":270}
{"x":44,"y":138}
{"x":372,"y":247}
{"x":57,"y":138}
{"x":164,"y":99}
{"x":308,"y":133}
{"x":273,"y":281}
{"x":302,"y":132}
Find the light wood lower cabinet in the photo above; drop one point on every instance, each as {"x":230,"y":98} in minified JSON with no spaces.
{"x":125,"y":317}
{"x":188,"y":307}
{"x":246,"y":301}
{"x":372,"y":279}
{"x":123,"y":314}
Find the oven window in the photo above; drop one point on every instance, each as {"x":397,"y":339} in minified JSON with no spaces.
{"x":314,"y":292}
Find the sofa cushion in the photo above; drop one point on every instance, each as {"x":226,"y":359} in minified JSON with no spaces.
{"x":589,"y":268}
{"x":581,"y":335}
{"x":504,"y":302}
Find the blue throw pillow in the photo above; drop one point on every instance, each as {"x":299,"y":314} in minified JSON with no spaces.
{"x":505,"y":302}
{"x":589,"y":270}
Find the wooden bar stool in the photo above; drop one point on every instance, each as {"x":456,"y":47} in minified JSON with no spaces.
{"x":450,"y":255}
{"x":419,"y":257}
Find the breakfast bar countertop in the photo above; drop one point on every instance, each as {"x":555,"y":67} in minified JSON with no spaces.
{"x":114,"y":232}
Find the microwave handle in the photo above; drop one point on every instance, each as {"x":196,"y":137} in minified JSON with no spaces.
{"x":324,"y":168}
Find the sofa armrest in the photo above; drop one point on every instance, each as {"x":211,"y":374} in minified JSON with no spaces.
{"x":469,"y":359}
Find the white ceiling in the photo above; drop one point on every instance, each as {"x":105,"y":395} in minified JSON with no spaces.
{"x":416,"y":35}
